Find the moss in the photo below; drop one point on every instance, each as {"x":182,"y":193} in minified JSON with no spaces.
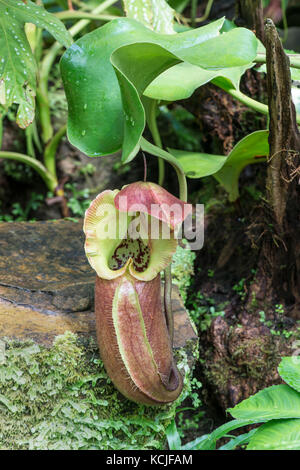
{"x":252,"y":360}
{"x":61,"y":398}
{"x":183,"y":269}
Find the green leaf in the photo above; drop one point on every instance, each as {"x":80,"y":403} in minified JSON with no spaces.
{"x":254,"y":148}
{"x":289,"y":370}
{"x":152,"y":59}
{"x":180,"y":82}
{"x":106,"y":72}
{"x":155,"y":14}
{"x":196,"y":443}
{"x":277,"y":435}
{"x":96,"y":118}
{"x":238,"y":441}
{"x":17,"y":64}
{"x":235,"y":48}
{"x":208,"y":441}
{"x":198,"y":165}
{"x":174,"y":441}
{"x":276,"y":402}
{"x":228,"y":25}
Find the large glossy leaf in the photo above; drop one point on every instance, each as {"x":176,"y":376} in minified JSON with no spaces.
{"x":96,"y":117}
{"x":17,"y":64}
{"x":106,"y":71}
{"x":152,"y":59}
{"x":180,"y":81}
{"x":289,"y":370}
{"x":276,"y":402}
{"x":198,"y":165}
{"x":252,"y":149}
{"x":277,"y":435}
{"x":155,"y":14}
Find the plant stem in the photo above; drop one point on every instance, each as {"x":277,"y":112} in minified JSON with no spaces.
{"x":145,"y":167}
{"x":29,"y":141}
{"x":49,"y":179}
{"x":194,"y":6}
{"x":250,"y":102}
{"x":294,"y":59}
{"x":50,"y":151}
{"x":42,"y":92}
{"x":35,"y":135}
{"x":47,"y":62}
{"x":168,"y":302}
{"x":1,"y":130}
{"x":194,"y":18}
{"x":81,"y":15}
{"x":158,"y":152}
{"x":284,"y":21}
{"x":206,"y":13}
{"x":152,"y":123}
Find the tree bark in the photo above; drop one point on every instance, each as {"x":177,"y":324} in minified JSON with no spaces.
{"x":284,"y":137}
{"x":279,"y":264}
{"x":249,"y":13}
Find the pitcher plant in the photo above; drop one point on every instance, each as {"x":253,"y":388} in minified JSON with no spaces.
{"x":130,"y":239}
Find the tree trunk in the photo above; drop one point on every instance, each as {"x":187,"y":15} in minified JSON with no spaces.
{"x":279,"y":265}
{"x":249,"y":13}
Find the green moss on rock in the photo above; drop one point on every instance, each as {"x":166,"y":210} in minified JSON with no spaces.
{"x":183,"y":269}
{"x":61,"y":398}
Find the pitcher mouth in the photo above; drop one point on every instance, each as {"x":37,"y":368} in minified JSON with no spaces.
{"x":111,"y":248}
{"x":129,"y":249}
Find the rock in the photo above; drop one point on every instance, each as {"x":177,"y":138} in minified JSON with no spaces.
{"x":47,"y":286}
{"x":24,"y":323}
{"x":43,"y":265}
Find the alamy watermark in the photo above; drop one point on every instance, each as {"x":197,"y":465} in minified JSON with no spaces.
{"x":157,"y":221}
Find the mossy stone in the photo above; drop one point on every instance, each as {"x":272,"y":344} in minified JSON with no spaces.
{"x":61,"y":398}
